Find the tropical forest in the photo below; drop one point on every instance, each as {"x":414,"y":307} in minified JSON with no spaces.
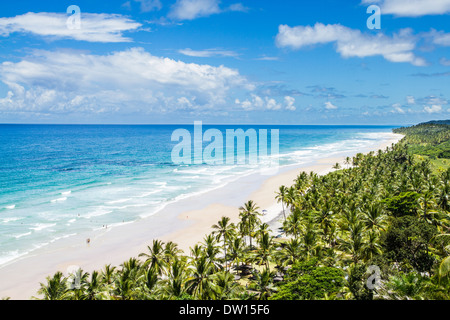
{"x":375,"y":228}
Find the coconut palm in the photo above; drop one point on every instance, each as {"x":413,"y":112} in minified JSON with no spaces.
{"x":196,"y":251}
{"x":409,"y":286}
{"x":291,"y":197}
{"x":372,"y":247}
{"x":174,"y":285}
{"x":236,"y":251}
{"x":262,"y":282}
{"x":156,"y":258}
{"x":265,"y":250}
{"x":171,"y":251}
{"x":337,"y":166}
{"x":200,"y":283}
{"x":123,"y":285}
{"x":325,"y":218}
{"x":211,"y":250}
{"x":94,"y":289}
{"x":444,"y":269}
{"x":354,"y":243}
{"x":106,"y":275}
{"x":374,"y":218}
{"x":249,"y":216}
{"x":226,"y":287}
{"x":281,"y":197}
{"x":55,"y":289}
{"x":224,"y":230}
{"x":289,"y":252}
{"x":293,"y":223}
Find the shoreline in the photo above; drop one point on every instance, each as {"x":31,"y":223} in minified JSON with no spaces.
{"x":186,"y":223}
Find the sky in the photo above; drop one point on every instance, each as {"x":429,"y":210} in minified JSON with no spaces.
{"x":322,"y":62}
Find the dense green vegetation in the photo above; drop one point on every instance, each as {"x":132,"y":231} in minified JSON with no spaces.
{"x":429,"y":140}
{"x":385,"y":211}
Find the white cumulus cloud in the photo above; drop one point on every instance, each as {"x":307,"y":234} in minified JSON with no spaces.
{"x":412,"y":8}
{"x":330,"y":106}
{"x":93,"y":27}
{"x":352,"y":43}
{"x":398,"y":108}
{"x":208,"y":53}
{"x":266,"y":103}
{"x":433,"y":109}
{"x":289,"y":101}
{"x":192,"y":9}
{"x":123,"y":81}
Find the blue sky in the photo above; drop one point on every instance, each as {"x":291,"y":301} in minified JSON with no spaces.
{"x":243,"y":61}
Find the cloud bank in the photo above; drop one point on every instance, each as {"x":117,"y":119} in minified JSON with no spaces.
{"x":126,"y":81}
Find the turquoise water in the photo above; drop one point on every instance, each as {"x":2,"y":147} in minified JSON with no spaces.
{"x":61,"y":180}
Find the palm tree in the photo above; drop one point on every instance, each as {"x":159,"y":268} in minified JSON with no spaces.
{"x":325,"y":219}
{"x":93,"y":289}
{"x":301,"y":182}
{"x":106,"y":276}
{"x":263,"y":229}
{"x":265,"y":250}
{"x":156,"y":258}
{"x":280,"y":197}
{"x":211,"y":250}
{"x":236,"y":251}
{"x":293,"y":223}
{"x":224,"y":230}
{"x":226,"y":287}
{"x":336,"y":166}
{"x":354,"y":244}
{"x":290,"y":252}
{"x":374,"y":217}
{"x":348,"y":161}
{"x":291,"y":197}
{"x":171,"y":250}
{"x":249,"y":216}
{"x":151,"y":278}
{"x":196,"y":251}
{"x":177,"y":274}
{"x":308,"y":236}
{"x":263,"y":283}
{"x":444,"y":269}
{"x":372,"y":247}
{"x":409,"y":286}
{"x":55,"y":289}
{"x":200,"y":283}
{"x":123,"y":285}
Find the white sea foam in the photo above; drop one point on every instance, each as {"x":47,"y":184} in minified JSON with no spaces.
{"x":131,"y":206}
{"x":59,"y":200}
{"x":146,"y":194}
{"x":66,"y":193}
{"x":9,"y":256}
{"x":18,"y":236}
{"x":118,"y":201}
{"x":96,"y":213}
{"x":11,"y":219}
{"x":13,"y":206}
{"x":42,"y":226}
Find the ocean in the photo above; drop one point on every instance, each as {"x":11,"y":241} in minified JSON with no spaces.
{"x":57,"y":181}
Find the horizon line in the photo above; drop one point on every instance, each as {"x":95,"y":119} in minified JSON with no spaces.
{"x":208,"y":124}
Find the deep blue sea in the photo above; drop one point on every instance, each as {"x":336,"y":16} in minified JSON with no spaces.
{"x":60,"y":180}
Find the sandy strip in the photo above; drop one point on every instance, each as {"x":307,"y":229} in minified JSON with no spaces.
{"x":185,"y":223}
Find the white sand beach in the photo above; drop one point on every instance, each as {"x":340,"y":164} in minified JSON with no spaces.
{"x":185,"y":222}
